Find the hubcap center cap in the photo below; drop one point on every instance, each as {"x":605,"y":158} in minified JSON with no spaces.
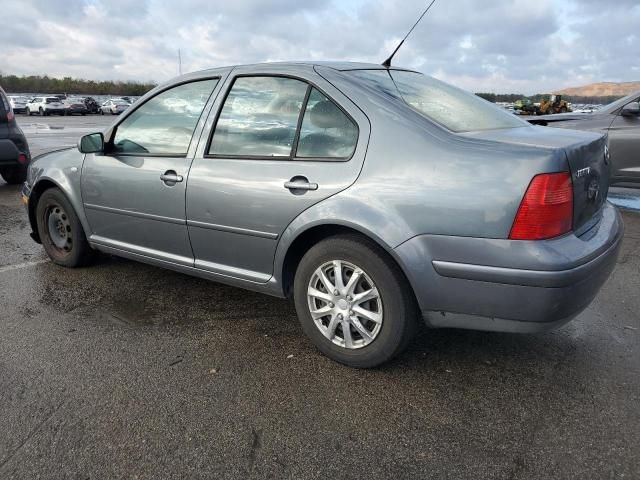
{"x":343,"y":304}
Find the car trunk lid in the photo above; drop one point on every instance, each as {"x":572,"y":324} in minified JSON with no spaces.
{"x":590,"y":170}
{"x":583,"y":153}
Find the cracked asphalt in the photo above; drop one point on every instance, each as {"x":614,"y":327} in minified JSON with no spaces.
{"x":122,"y":370}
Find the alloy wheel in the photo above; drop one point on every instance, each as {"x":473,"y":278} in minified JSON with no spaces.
{"x":345,"y":304}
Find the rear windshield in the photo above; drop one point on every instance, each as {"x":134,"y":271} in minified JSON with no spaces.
{"x":451,"y":107}
{"x":53,"y":100}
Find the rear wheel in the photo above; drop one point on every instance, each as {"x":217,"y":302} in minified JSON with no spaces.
{"x":353,"y":302}
{"x":60,"y":230}
{"x":14,"y":175}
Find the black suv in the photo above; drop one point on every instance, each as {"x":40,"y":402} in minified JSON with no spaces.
{"x":14,"y":150}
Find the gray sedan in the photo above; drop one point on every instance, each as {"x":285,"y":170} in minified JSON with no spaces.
{"x":371,"y":196}
{"x":621,"y":120}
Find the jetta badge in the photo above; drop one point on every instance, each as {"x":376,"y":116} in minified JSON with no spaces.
{"x":594,"y":190}
{"x":583,"y":172}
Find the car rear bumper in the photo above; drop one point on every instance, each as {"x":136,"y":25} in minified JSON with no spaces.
{"x":8,"y":153}
{"x":506,"y":285}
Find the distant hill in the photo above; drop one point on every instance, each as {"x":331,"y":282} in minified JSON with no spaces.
{"x":602,"y":89}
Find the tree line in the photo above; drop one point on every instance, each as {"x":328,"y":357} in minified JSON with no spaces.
{"x":46,"y":84}
{"x":512,"y":97}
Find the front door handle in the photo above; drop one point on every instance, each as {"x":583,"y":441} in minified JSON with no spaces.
{"x":300,"y":184}
{"x":170,"y":178}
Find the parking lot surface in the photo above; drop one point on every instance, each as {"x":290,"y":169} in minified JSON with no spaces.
{"x":122,"y":370}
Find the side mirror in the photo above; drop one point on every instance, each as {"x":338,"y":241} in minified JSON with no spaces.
{"x":631,"y":110}
{"x":92,"y":143}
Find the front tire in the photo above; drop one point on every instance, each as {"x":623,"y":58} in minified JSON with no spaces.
{"x":60,"y":230}
{"x":353,"y":302}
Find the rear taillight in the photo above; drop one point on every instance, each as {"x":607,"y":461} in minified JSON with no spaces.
{"x":546,"y":211}
{"x":10,"y":116}
{"x":23,"y":159}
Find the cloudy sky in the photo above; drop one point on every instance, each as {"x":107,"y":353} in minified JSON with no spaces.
{"x":522,"y":46}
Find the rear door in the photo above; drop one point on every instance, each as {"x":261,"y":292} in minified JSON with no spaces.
{"x":282,"y":141}
{"x":134,"y":195}
{"x":624,"y":143}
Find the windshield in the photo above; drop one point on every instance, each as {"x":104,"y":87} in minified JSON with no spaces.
{"x":119,"y":102}
{"x":451,"y":107}
{"x":617,"y":104}
{"x":53,"y":100}
{"x":20,"y":99}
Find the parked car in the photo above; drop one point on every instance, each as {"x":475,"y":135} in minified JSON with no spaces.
{"x":14,"y":149}
{"x":74,"y":105}
{"x":114,"y":106}
{"x":45,"y":106}
{"x":18,"y":103}
{"x":371,"y":196}
{"x":91,"y":105}
{"x":621,"y":120}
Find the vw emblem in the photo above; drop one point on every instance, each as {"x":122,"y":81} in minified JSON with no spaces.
{"x":593,"y":190}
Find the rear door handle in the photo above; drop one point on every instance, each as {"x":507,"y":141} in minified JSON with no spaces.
{"x":170,"y":177}
{"x":300,"y":183}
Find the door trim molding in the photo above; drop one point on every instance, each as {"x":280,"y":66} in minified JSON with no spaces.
{"x":226,"y":228}
{"x":133,"y":213}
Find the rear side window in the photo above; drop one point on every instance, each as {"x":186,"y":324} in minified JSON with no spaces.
{"x":326,"y":130}
{"x":164,"y":125}
{"x":268,"y":117}
{"x":259,"y":117}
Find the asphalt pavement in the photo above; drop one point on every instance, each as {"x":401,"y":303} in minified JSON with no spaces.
{"x":122,"y":370}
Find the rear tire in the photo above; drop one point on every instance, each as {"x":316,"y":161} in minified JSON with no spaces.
{"x":14,"y":175}
{"x":61,"y":232}
{"x":378,"y":328}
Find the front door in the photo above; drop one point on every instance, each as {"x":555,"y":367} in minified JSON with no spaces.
{"x":134,"y":194}
{"x":624,"y":143}
{"x":279,"y":145}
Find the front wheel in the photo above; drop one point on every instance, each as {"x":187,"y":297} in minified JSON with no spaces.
{"x":60,"y":230}
{"x":353,"y":302}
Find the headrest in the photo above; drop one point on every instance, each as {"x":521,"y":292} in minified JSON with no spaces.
{"x":325,"y":114}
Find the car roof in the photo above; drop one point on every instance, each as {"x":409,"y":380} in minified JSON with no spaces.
{"x":303,"y":65}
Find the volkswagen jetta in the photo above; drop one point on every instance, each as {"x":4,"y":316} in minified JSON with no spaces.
{"x":373,"y":196}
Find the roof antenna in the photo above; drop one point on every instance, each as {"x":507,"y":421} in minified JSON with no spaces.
{"x":387,"y":62}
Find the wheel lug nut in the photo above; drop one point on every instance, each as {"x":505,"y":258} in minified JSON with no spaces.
{"x":331,"y":305}
{"x":336,"y":293}
{"x":349,"y":297}
{"x":351,"y":312}
{"x":340,"y":317}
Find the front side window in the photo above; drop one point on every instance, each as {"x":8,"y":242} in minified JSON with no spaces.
{"x":259,"y":117}
{"x":455,"y":109}
{"x":326,"y":130}
{"x":164,"y":125}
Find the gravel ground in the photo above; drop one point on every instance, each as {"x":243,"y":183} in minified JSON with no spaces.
{"x":122,"y":370}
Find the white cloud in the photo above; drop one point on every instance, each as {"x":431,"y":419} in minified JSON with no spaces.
{"x":489,"y":45}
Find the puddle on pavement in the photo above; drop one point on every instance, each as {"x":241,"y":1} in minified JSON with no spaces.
{"x":626,"y":201}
